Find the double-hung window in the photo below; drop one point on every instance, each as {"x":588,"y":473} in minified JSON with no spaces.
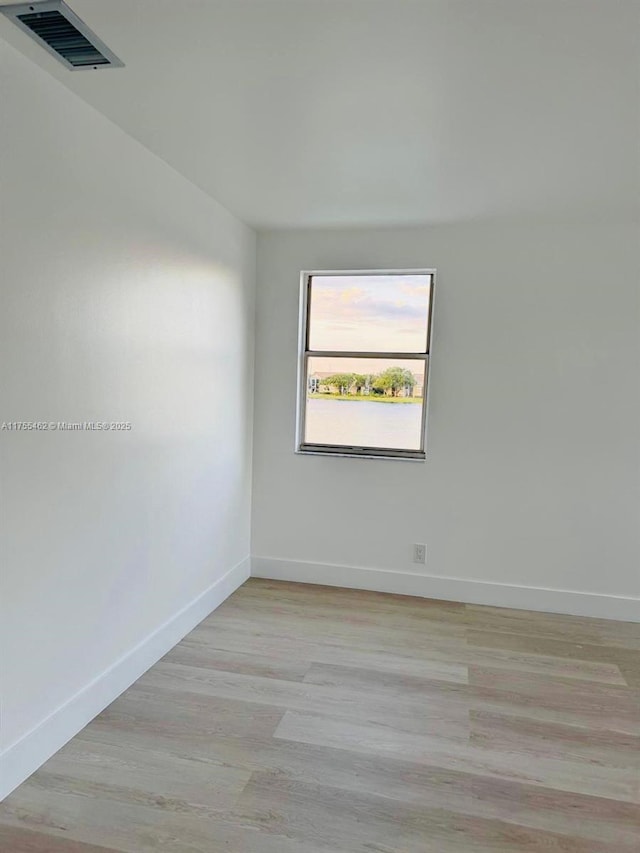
{"x":364,"y":362}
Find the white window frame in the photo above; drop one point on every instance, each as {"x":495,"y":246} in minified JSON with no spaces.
{"x":304,"y":354}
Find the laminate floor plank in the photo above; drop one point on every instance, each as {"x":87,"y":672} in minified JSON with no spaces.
{"x":158,"y":709}
{"x":305,"y":719}
{"x":445,"y":660}
{"x":448,"y":754}
{"x":359,"y":605}
{"x":554,"y":700}
{"x":465,"y":793}
{"x":362,"y":823}
{"x":440,"y":663}
{"x":544,"y":664}
{"x":246,"y":663}
{"x":18,"y":840}
{"x":407,"y":713}
{"x":616,"y":707}
{"x":144,"y":776}
{"x":576,"y":629}
{"x":371,"y":680}
{"x":360,"y":626}
{"x":554,"y":646}
{"x":575,"y":743}
{"x":214,"y":731}
{"x":133,"y":828}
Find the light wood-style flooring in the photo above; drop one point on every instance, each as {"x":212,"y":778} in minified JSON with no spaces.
{"x":306,"y":719}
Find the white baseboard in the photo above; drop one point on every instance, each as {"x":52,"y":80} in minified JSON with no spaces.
{"x":622,"y":608}
{"x":21,"y":759}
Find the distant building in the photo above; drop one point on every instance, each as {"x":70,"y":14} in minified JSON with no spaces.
{"x":315,"y":384}
{"x":416,"y":391}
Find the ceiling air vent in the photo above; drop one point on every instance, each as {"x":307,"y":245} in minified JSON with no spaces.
{"x":61,"y":32}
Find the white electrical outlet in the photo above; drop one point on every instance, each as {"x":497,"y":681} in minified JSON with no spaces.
{"x":419,"y":553}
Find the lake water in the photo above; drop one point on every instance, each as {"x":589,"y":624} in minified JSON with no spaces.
{"x":363,"y":424}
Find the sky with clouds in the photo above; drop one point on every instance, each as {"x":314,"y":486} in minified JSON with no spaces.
{"x":368,"y":313}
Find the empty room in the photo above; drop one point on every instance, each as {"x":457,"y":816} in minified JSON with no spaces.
{"x":320,"y":426}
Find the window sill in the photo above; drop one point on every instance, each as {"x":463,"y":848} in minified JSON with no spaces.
{"x":407,"y":456}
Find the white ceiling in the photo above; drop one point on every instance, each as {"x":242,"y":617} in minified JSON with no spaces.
{"x":356,"y":112}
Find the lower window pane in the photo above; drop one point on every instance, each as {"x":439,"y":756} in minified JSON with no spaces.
{"x":364,"y":402}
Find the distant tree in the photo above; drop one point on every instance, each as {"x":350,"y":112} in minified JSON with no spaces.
{"x":359,"y":380}
{"x":340,"y":381}
{"x":393,"y":380}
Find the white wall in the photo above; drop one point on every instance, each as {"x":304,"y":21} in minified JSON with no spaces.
{"x":532,"y":471}
{"x":127,"y":295}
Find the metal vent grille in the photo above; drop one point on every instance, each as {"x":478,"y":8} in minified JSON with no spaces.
{"x":59,"y":30}
{"x":64,"y":38}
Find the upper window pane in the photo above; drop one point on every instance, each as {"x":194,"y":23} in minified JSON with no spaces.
{"x":369,"y":313}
